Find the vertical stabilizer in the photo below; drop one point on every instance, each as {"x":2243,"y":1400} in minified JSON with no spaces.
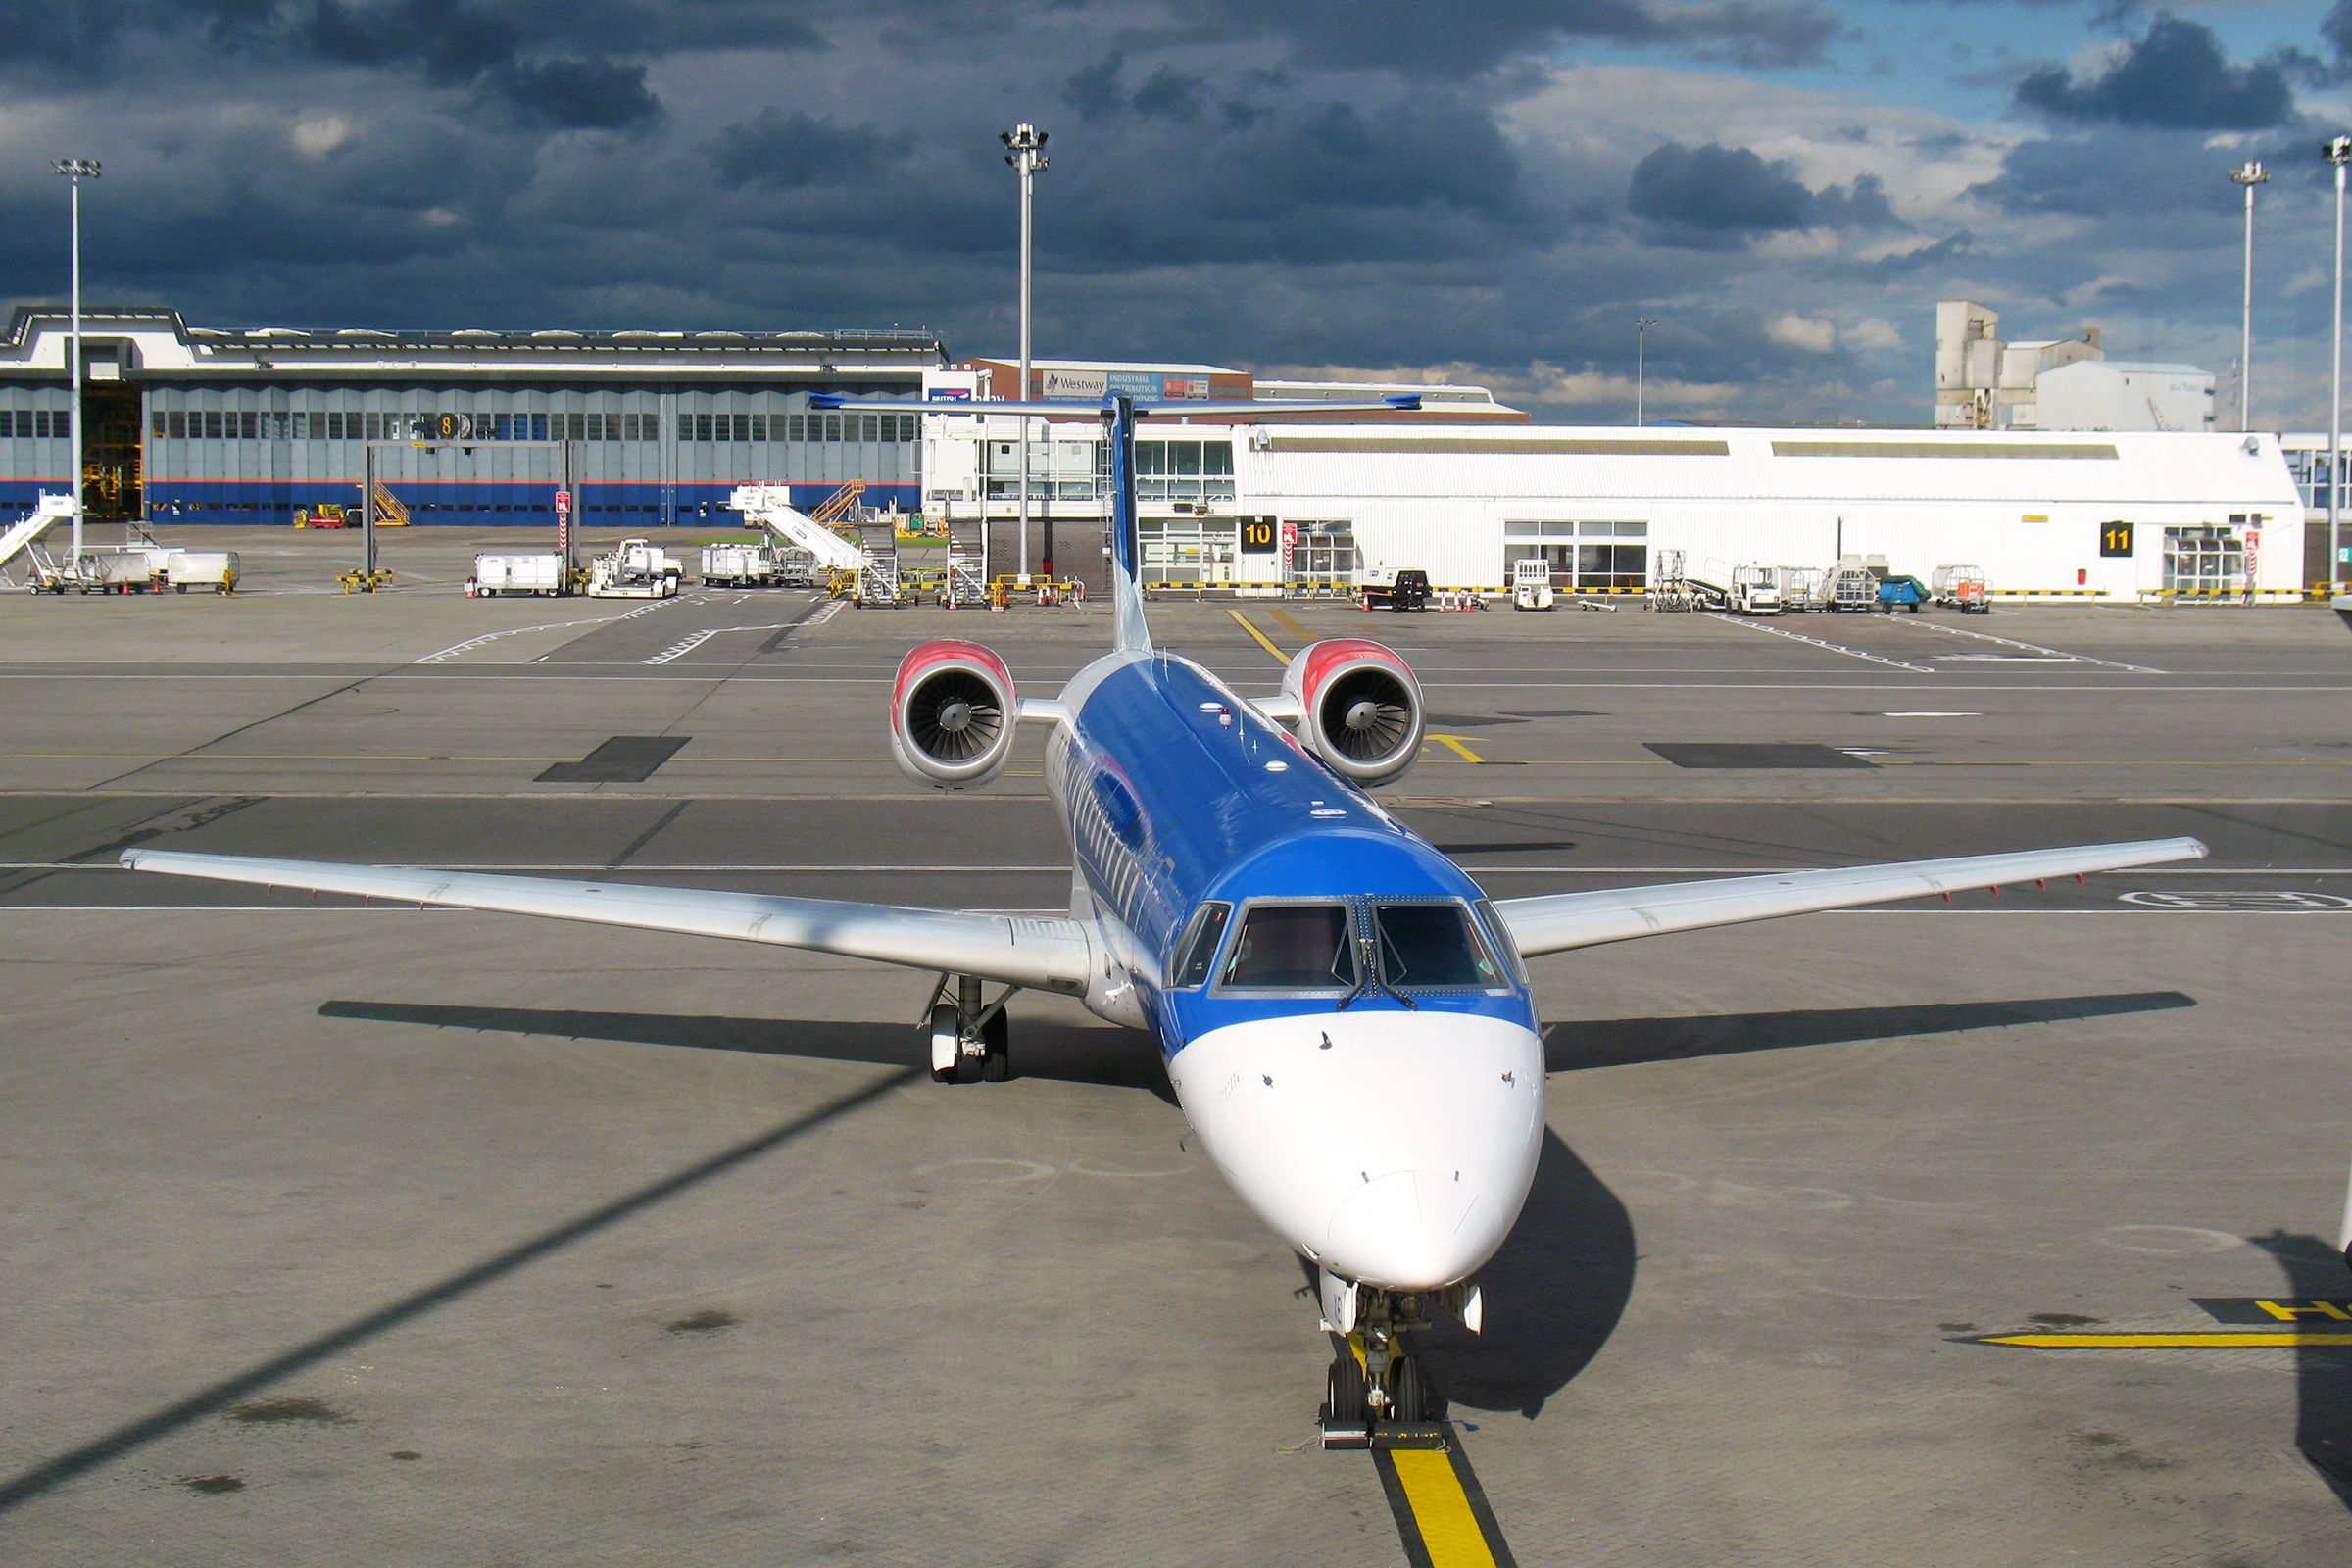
{"x":1128,"y":630}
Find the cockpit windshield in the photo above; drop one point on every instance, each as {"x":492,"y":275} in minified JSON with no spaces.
{"x":1292,"y":946}
{"x":1426,"y":945}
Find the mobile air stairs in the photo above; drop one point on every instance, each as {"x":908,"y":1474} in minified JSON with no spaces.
{"x":769,"y":508}
{"x":22,"y":543}
{"x":967,"y":566}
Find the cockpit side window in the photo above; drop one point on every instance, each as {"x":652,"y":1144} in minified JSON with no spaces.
{"x":1200,"y":946}
{"x":1431,"y":945}
{"x":1292,"y":946}
{"x":1499,"y":935}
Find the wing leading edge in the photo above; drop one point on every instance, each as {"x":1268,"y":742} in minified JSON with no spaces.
{"x":1043,"y":952}
{"x":1558,"y":921}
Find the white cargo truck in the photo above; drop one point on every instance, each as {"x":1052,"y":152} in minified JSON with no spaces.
{"x":515,"y":574}
{"x":216,"y":570}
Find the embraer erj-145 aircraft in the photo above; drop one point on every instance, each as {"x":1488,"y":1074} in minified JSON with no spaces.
{"x":1344,"y":1014}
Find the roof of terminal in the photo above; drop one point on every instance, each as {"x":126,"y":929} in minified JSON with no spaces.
{"x":376,"y":340}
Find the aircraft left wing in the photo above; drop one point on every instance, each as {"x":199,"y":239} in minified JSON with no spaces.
{"x":1043,"y":953}
{"x":1558,"y":921}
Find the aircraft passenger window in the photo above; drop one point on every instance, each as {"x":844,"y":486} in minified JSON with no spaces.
{"x":1292,"y":946}
{"x":1423,"y":945}
{"x":1200,"y":947}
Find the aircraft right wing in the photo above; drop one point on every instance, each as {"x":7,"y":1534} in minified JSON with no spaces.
{"x":1555,"y":922}
{"x":1043,"y":953}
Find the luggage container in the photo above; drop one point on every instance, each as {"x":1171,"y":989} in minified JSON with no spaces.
{"x":515,"y":574}
{"x":1804,"y":588}
{"x":739,"y":565}
{"x":1963,"y":588}
{"x":216,"y":570}
{"x":1852,"y":588}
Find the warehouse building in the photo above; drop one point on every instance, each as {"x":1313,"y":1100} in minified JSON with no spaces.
{"x":1304,"y":507}
{"x":196,"y":425}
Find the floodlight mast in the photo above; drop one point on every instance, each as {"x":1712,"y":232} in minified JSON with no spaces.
{"x":76,"y":171}
{"x":2336,"y":150}
{"x":1025,"y":151}
{"x":2250,"y":176}
{"x":1641,"y":326}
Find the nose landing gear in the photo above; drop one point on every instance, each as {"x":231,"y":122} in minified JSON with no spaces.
{"x":970,"y":1042}
{"x":1376,"y":1395}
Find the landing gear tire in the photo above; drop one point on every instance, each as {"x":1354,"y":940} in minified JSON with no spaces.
{"x":947,"y":1044}
{"x":997,"y":1066}
{"x":1343,"y":1403}
{"x":1408,"y":1392}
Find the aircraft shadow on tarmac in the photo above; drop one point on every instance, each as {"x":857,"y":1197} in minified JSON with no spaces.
{"x":2316,"y":1271}
{"x":1554,"y":1293}
{"x":1117,"y":1059}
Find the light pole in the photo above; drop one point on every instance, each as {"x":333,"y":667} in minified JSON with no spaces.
{"x":76,"y":171}
{"x":1025,"y":150}
{"x":2251,"y":175}
{"x":1641,"y":326}
{"x":2337,"y":151}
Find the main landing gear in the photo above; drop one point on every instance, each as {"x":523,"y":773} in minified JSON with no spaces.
{"x":968,"y":1041}
{"x":1376,"y":1391}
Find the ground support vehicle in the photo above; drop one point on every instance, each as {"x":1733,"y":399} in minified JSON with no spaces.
{"x":635,"y":569}
{"x":1963,"y":588}
{"x":494,"y":575}
{"x":1531,"y":584}
{"x":216,"y":570}
{"x":1756,"y":590}
{"x":739,"y":565}
{"x":325,"y":515}
{"x":1804,"y":588}
{"x":1394,"y":590}
{"x":1852,"y":588}
{"x":1901,"y":593}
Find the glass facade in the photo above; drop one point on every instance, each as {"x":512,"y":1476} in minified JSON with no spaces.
{"x":1584,"y":554}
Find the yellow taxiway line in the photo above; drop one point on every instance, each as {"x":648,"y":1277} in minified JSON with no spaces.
{"x":1453,"y":744}
{"x":1264,"y":641}
{"x":2254,"y":1340}
{"x":1440,"y":1509}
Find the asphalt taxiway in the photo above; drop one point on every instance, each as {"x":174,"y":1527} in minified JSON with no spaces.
{"x":432,"y":1237}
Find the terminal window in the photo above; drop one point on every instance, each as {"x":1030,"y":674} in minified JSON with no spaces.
{"x":1584,"y":552}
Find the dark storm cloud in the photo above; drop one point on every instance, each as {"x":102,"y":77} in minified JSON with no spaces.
{"x":776,"y":151}
{"x":1714,"y":196}
{"x":2120,"y":175}
{"x":574,"y":94}
{"x":2176,"y":78}
{"x":1755,"y":34}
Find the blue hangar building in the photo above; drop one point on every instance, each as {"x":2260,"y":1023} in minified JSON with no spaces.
{"x":189,"y":424}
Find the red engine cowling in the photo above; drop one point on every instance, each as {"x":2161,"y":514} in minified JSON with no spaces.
{"x":951,"y":714}
{"x":1360,"y":709}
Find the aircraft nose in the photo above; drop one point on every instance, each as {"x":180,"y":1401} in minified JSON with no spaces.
{"x":1414,"y":1228}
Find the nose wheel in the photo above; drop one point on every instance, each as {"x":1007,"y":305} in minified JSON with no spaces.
{"x":971,"y":1042}
{"x":1376,"y":1393}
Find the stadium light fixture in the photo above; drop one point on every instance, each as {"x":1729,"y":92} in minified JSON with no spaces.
{"x":1641,"y":326}
{"x":1025,"y":151}
{"x":2250,"y":176}
{"x":76,"y":171}
{"x":2337,"y":150}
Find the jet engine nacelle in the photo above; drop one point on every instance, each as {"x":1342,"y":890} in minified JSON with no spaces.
{"x":951,"y":714}
{"x":1359,"y":708}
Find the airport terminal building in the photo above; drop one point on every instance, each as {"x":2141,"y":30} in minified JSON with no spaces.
{"x":189,"y":424}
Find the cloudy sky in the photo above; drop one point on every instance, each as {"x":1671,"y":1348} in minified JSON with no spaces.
{"x":1488,"y":192}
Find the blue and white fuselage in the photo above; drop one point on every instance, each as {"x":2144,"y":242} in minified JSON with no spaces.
{"x":1388,"y":1132}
